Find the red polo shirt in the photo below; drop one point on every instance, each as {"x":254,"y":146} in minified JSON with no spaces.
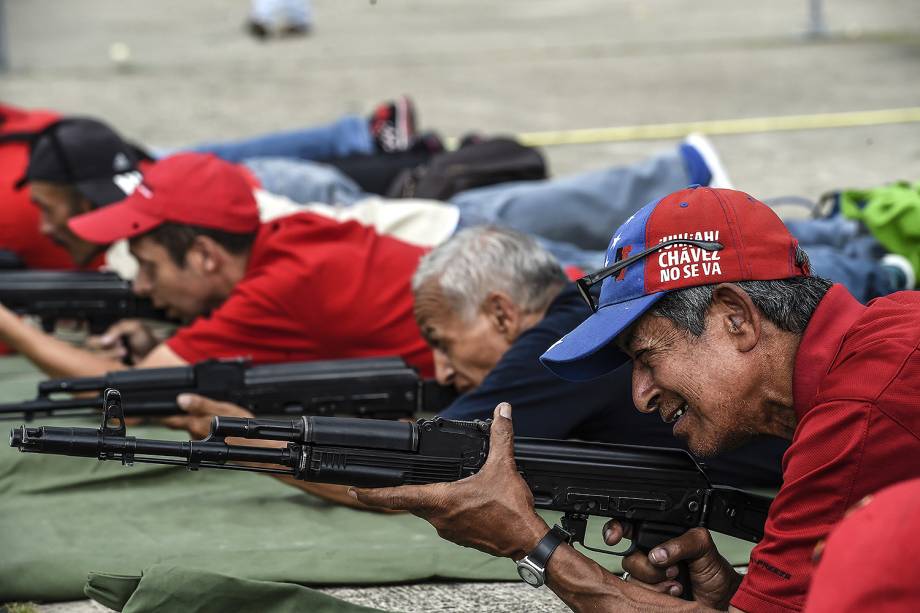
{"x":856,"y":390}
{"x":315,"y":289}
{"x":868,"y":559}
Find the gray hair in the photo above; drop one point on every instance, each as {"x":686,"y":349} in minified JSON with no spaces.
{"x":485,"y":259}
{"x":787,"y":303}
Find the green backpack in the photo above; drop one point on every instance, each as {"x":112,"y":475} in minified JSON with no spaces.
{"x":891,"y":213}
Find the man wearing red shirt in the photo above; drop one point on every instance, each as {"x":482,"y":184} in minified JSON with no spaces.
{"x":730,"y":336}
{"x":19,"y":232}
{"x":301,"y":287}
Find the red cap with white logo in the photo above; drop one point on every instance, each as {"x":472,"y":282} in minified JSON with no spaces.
{"x":194,"y":189}
{"x":745,"y":239}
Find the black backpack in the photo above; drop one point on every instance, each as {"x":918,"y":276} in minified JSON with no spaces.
{"x":497,"y":160}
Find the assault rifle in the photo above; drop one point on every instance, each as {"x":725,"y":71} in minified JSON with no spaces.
{"x":98,"y":298}
{"x":663,"y":492}
{"x":384,"y":388}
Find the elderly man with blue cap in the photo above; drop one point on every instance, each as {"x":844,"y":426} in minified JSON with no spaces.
{"x":730,"y":337}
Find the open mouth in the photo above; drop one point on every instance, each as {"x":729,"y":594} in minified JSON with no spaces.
{"x":676,"y":415}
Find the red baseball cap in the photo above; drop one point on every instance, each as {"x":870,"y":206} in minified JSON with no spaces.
{"x":195,"y":189}
{"x":746,"y":239}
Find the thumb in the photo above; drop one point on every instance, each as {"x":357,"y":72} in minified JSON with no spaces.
{"x":501,"y":435}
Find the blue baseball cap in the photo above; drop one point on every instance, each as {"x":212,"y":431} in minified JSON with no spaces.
{"x":752,"y":244}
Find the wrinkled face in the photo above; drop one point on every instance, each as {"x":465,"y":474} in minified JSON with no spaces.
{"x":700,"y":384}
{"x":464,"y":351}
{"x":184,"y":291}
{"x":57,"y":205}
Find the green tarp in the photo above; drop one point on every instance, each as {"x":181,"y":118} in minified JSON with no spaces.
{"x":62,"y":518}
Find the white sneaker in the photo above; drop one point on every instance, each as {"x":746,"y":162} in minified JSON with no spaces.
{"x":901,"y":263}
{"x":706,"y":150}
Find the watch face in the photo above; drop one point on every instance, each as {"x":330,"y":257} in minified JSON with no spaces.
{"x":529,"y":575}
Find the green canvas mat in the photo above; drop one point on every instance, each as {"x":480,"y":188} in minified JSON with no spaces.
{"x":62,"y":518}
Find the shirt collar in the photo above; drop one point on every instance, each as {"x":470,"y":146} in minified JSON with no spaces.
{"x":835,"y":315}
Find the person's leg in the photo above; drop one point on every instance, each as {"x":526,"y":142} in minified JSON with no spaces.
{"x":349,"y":135}
{"x":866,"y":278}
{"x":304,"y":182}
{"x":264,"y":12}
{"x":297,"y":12}
{"x":582,"y":209}
{"x":570,"y":255}
{"x":841,"y":251}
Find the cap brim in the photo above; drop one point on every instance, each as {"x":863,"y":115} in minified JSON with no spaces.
{"x":101,"y":192}
{"x":114,"y":222}
{"x":588,"y":351}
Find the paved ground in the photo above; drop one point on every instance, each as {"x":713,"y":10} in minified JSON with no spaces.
{"x":505,"y":66}
{"x":425,"y":598}
{"x":510,"y":66}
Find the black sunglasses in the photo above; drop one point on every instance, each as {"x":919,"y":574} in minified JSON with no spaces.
{"x":585,"y":283}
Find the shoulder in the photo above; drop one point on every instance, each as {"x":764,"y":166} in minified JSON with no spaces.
{"x":879,"y":359}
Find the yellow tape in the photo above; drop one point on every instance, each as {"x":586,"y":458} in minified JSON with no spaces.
{"x":719,"y":126}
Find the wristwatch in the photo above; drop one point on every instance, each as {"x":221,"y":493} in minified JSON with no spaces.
{"x":532,"y":567}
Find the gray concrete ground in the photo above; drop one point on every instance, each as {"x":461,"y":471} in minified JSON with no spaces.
{"x":515,"y":65}
{"x":503,"y":66}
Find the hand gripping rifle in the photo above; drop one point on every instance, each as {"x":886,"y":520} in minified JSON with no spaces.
{"x":98,"y":298}
{"x":662,"y":492}
{"x":383,"y":388}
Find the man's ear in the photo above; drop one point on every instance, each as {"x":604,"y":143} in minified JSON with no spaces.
{"x":735,"y":312}
{"x":204,"y":255}
{"x":504,"y":314}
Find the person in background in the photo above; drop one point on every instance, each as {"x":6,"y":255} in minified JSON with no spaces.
{"x":299,"y":287}
{"x":283,"y":17}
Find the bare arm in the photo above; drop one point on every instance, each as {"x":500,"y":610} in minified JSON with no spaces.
{"x":583,"y":585}
{"x":493,"y":511}
{"x":58,"y":358}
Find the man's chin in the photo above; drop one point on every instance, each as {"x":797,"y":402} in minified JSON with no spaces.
{"x":707,"y":447}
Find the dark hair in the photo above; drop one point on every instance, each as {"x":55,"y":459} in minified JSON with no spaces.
{"x":178,"y":238}
{"x":787,"y":303}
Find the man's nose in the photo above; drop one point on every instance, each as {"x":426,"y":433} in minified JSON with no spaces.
{"x":443,"y":370}
{"x":645,"y":392}
{"x":141,"y":285}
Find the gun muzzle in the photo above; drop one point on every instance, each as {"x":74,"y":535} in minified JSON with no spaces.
{"x":82,"y":442}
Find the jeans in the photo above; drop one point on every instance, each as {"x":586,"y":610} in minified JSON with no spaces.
{"x":840,"y":250}
{"x":292,"y":12}
{"x":349,"y":135}
{"x":304,"y":182}
{"x":564,"y":214}
{"x":583,"y":209}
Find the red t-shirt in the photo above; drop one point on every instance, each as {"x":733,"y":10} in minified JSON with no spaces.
{"x":867,"y":564}
{"x":315,"y":289}
{"x":19,"y":218}
{"x":856,"y":390}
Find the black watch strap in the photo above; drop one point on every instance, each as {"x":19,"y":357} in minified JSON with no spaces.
{"x":547,"y":545}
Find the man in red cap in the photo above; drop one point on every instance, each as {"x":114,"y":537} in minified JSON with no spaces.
{"x":300,"y":287}
{"x":729,"y":336}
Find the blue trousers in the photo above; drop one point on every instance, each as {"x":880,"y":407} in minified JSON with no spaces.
{"x":349,"y":135}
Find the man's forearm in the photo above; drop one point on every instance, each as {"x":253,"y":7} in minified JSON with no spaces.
{"x":54,"y":356}
{"x":584,"y":585}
